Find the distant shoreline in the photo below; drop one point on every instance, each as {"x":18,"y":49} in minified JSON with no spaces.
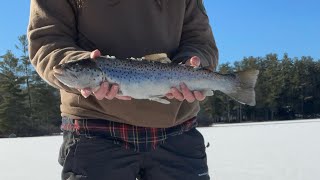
{"x":265,"y":123}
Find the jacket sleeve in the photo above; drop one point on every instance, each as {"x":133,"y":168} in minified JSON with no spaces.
{"x":197,"y":37}
{"x":52,"y":35}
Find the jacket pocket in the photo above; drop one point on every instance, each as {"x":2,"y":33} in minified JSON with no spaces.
{"x":189,"y":145}
{"x":91,"y":145}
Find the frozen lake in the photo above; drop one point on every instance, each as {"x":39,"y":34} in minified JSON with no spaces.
{"x":286,"y":150}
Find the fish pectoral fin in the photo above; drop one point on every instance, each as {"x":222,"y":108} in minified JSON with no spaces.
{"x":207,"y":92}
{"x":159,"y":100}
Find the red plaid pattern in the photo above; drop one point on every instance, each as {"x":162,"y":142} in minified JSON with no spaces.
{"x":131,"y":137}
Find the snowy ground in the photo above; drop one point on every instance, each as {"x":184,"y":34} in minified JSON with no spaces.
{"x":254,"y":151}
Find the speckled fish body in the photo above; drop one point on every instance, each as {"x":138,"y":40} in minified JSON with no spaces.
{"x":152,"y":80}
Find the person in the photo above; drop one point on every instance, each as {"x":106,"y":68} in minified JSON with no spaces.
{"x":108,"y":136}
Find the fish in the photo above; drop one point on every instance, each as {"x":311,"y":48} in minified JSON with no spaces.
{"x":152,"y":80}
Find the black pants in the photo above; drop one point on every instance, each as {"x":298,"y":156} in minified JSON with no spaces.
{"x":181,"y":157}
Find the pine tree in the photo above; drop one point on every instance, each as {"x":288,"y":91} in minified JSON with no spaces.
{"x":13,"y":110}
{"x":26,"y":71}
{"x":45,"y":111}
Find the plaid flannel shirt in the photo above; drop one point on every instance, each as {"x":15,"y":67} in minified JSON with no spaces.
{"x":140,"y":139}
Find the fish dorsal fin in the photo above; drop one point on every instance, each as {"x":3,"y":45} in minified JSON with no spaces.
{"x":159,"y":100}
{"x":160,"y":57}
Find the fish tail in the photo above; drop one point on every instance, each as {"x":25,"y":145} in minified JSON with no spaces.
{"x":245,"y":91}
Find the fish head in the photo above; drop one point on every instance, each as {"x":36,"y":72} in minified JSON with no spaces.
{"x":79,"y":74}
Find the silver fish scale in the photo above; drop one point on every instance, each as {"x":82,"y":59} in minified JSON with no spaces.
{"x":143,"y":70}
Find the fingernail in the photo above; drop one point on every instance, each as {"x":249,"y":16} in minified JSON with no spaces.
{"x":195,"y":61}
{"x":115,"y":87}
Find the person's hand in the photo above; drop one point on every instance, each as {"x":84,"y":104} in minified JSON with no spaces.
{"x":185,"y":93}
{"x":105,"y":90}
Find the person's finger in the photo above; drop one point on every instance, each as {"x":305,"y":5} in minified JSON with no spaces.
{"x":177,"y":94}
{"x":85,"y":92}
{"x":199,"y":96}
{"x":169,"y":96}
{"x":94,"y":54}
{"x":187,"y":94}
{"x":194,"y":61}
{"x":102,"y":91}
{"x":113,"y":92}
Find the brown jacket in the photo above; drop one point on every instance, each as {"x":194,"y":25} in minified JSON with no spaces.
{"x":63,"y":30}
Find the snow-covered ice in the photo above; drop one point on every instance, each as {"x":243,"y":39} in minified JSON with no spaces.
{"x":265,"y":151}
{"x":286,"y":150}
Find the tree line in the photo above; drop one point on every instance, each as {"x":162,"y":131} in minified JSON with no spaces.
{"x":287,"y":88}
{"x":28,"y":105}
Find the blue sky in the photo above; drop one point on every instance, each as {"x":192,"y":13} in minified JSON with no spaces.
{"x":241,"y":27}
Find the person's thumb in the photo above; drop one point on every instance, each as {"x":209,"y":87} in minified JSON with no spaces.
{"x":94,"y":54}
{"x":193,"y":61}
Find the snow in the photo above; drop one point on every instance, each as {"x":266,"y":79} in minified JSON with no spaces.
{"x":286,"y":150}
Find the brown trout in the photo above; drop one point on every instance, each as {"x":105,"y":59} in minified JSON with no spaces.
{"x":143,"y":79}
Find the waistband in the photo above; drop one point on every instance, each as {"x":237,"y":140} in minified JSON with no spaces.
{"x":130,"y":136}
